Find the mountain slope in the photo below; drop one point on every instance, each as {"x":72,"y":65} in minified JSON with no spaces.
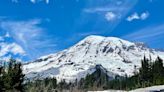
{"x":117,"y":56}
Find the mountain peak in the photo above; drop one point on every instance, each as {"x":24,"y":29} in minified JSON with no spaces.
{"x":95,"y":39}
{"x":115,"y":55}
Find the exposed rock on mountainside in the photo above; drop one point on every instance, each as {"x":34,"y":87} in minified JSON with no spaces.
{"x":116,"y":56}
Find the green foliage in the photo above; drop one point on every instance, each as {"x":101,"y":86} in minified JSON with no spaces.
{"x":11,"y":77}
{"x":98,"y":79}
{"x":1,"y":79}
{"x":145,"y":70}
{"x":149,"y":74}
{"x":158,"y":71}
{"x":46,"y":85}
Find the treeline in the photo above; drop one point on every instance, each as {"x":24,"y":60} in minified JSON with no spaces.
{"x":150,"y":73}
{"x":46,"y":85}
{"x":11,"y":77}
{"x":50,"y":85}
{"x":95,"y":81}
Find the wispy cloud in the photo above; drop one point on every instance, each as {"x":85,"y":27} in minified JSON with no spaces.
{"x":111,"y":12}
{"x":14,"y":1}
{"x":133,"y":17}
{"x":7,"y":49}
{"x":22,"y":30}
{"x":144,"y":15}
{"x":136,"y":16}
{"x":12,"y":48}
{"x":109,"y":5}
{"x":104,"y":9}
{"x":111,"y":16}
{"x":29,"y":35}
{"x":149,"y":34}
{"x":7,"y":35}
{"x":32,"y":1}
{"x":1,"y":38}
{"x":35,"y":1}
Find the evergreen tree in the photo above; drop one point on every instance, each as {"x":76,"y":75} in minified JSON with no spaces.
{"x":145,"y":70}
{"x":13,"y":76}
{"x":8,"y":75}
{"x":158,"y":71}
{"x":18,"y":77}
{"x":149,"y":74}
{"x":1,"y":80}
{"x":96,"y":80}
{"x":54,"y":83}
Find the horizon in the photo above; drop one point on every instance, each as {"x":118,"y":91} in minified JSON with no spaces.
{"x":30,"y":29}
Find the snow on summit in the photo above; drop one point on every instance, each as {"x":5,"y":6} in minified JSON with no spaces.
{"x":117,"y":56}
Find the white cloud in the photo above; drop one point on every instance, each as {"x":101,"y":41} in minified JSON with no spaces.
{"x":103,"y":9}
{"x":152,"y":35}
{"x":35,"y":1}
{"x":47,"y":1}
{"x":30,"y":36}
{"x":144,"y":15}
{"x":32,"y":1}
{"x":136,"y":16}
{"x":22,"y":30}
{"x":133,"y":17}
{"x":16,"y":49}
{"x":2,"y":38}
{"x":111,"y":10}
{"x":148,"y":33}
{"x":10,"y":48}
{"x":110,"y":16}
{"x":7,"y":35}
{"x":119,"y":6}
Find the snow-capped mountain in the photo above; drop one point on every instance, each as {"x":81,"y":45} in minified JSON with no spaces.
{"x":116,"y":56}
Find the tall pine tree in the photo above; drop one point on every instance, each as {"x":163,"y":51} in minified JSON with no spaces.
{"x":158,"y":71}
{"x":1,"y":79}
{"x":144,"y":70}
{"x":13,"y":77}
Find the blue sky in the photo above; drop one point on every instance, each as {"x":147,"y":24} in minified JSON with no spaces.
{"x":32,"y":28}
